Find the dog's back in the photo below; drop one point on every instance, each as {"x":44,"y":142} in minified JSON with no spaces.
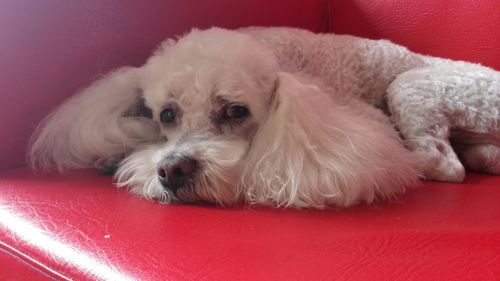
{"x":348,"y":65}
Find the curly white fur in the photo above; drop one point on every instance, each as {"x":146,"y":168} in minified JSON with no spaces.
{"x":305,"y":142}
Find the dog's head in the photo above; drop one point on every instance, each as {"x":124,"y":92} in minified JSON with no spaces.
{"x":210,"y":118}
{"x":208,"y":93}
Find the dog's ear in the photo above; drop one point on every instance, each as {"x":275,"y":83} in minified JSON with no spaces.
{"x":315,"y":151}
{"x":96,"y":127}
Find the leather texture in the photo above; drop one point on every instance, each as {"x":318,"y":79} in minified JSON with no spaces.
{"x":456,"y":29}
{"x":79,"y":226}
{"x":49,"y":49}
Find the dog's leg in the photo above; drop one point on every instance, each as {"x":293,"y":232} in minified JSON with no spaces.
{"x":426,"y":103}
{"x":416,"y":112}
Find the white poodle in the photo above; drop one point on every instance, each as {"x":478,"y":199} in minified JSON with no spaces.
{"x":264,"y":115}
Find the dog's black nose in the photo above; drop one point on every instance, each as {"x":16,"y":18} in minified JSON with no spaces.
{"x":174,"y":171}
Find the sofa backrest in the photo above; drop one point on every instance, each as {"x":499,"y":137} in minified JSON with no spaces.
{"x":49,"y":49}
{"x":457,"y":29}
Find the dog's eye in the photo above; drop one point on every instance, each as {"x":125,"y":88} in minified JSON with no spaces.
{"x":167,"y":115}
{"x":236,"y":112}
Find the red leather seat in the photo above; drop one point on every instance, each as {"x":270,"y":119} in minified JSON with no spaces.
{"x":79,"y":226}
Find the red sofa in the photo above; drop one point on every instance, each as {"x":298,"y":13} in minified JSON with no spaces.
{"x":78,"y":226}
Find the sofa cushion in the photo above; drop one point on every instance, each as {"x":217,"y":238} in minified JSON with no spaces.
{"x":78,"y":225}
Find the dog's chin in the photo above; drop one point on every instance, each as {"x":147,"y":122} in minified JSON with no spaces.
{"x":219,"y":194}
{"x":198,"y":195}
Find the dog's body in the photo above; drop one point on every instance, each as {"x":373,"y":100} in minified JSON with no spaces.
{"x":262,"y":115}
{"x":432,"y":100}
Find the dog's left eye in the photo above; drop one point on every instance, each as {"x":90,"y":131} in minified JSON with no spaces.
{"x":235,"y":112}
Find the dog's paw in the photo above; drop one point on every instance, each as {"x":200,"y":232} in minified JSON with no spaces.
{"x":446,"y":171}
{"x":106,"y":166}
{"x":438,"y":159}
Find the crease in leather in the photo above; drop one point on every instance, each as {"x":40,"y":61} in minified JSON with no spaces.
{"x":32,"y":262}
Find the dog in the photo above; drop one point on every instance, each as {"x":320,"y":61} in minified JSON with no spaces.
{"x":273,"y":116}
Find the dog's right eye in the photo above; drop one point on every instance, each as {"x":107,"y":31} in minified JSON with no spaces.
{"x":235,"y":112}
{"x":167,"y":115}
